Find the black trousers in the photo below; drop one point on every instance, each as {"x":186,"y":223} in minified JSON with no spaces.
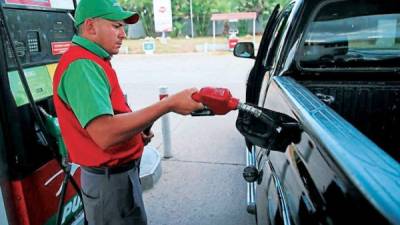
{"x":113,"y":199}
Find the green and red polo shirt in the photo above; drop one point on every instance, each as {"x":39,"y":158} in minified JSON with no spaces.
{"x":85,"y":86}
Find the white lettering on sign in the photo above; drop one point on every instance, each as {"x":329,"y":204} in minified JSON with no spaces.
{"x":71,"y":207}
{"x":59,"y":48}
{"x":74,"y":167}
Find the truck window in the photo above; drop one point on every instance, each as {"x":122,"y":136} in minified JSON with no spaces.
{"x":278,"y":32}
{"x":366,"y":36}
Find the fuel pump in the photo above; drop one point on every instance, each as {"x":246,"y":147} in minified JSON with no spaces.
{"x":34,"y":34}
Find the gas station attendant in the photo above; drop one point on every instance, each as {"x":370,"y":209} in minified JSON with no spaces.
{"x":102,"y":134}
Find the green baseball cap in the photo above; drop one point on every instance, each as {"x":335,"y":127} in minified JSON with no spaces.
{"x":106,"y":9}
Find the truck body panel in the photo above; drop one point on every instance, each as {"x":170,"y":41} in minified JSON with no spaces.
{"x":331,"y":67}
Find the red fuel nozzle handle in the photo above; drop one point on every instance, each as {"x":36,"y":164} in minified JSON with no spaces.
{"x":201,"y":112}
{"x":196,"y":96}
{"x":218,"y":100}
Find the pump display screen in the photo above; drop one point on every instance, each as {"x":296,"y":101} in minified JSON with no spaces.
{"x":40,"y":37}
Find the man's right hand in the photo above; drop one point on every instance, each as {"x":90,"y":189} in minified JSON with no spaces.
{"x":182,"y":102}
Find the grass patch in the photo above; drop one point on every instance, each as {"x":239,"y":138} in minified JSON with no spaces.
{"x":179,"y":45}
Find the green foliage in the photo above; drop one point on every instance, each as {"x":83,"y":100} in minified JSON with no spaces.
{"x":145,"y":10}
{"x":180,"y":15}
{"x":263,"y":8}
{"x":202,"y":11}
{"x":178,"y":29}
{"x":243,"y":27}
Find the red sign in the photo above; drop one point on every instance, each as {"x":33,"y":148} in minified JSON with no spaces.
{"x":162,"y":9}
{"x":59,"y":48}
{"x":43,"y":3}
{"x":232,"y":42}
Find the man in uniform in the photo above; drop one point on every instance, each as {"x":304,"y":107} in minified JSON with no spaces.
{"x":100,"y":131}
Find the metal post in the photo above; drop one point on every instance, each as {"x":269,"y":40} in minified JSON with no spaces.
{"x":165,"y":126}
{"x":214,"y":35}
{"x":191,"y":18}
{"x":163,"y":38}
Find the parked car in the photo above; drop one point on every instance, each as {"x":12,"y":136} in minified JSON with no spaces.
{"x":330,"y":69}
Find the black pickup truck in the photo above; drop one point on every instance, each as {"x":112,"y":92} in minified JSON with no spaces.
{"x":331,"y":68}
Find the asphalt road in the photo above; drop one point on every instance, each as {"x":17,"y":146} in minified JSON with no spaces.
{"x":202,"y":183}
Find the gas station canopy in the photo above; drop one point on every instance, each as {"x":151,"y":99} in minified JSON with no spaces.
{"x":235,"y":16}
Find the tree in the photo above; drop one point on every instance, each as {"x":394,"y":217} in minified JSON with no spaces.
{"x":261,"y":7}
{"x":202,"y":10}
{"x":145,"y":10}
{"x":180,"y":15}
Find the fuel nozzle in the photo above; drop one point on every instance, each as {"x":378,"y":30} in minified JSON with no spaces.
{"x":255,"y":112}
{"x":219,"y":101}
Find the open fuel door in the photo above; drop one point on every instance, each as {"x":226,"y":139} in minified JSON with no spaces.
{"x":275,"y":132}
